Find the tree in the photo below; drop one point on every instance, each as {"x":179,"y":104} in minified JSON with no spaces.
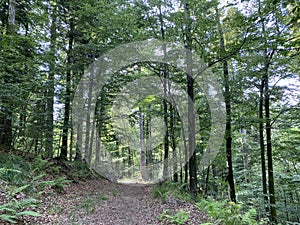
{"x":191,"y":111}
{"x":6,"y":113}
{"x":227,"y":97}
{"x":51,"y":85}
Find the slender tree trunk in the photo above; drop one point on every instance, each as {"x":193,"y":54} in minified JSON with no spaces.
{"x":273,"y":216}
{"x":50,"y":88}
{"x":79,"y":129}
{"x":142,"y":142}
{"x":6,"y":111}
{"x":267,"y":63}
{"x":88,"y":119}
{"x":149,"y":145}
{"x":262,"y":145}
{"x":92,"y":142}
{"x":173,"y":143}
{"x":99,"y":131}
{"x":206,"y":181}
{"x":165,"y":103}
{"x":227,"y":98}
{"x":191,"y":110}
{"x":245,"y":154}
{"x":214,"y":175}
{"x":64,"y":147}
{"x":98,"y":148}
{"x":71,"y":143}
{"x":11,"y":16}
{"x":228,"y":136}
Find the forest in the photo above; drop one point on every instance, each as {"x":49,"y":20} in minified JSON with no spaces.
{"x":197,"y":99}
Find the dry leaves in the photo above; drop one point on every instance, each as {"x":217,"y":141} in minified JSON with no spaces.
{"x":99,"y":202}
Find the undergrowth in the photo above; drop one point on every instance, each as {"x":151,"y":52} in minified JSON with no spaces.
{"x":23,"y":182}
{"x":180,"y":217}
{"x":220,"y":212}
{"x":171,"y":189}
{"x":227,"y":213}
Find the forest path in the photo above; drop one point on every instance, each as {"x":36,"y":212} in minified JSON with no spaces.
{"x":101,"y":202}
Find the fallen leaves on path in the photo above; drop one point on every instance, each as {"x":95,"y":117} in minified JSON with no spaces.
{"x":101,"y":202}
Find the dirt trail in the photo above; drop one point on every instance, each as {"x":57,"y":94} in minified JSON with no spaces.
{"x":100,"y":202}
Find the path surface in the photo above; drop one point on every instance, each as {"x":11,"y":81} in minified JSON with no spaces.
{"x":100,"y":202}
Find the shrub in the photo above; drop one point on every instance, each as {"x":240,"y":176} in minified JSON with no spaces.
{"x":180,"y":217}
{"x":228,"y":213}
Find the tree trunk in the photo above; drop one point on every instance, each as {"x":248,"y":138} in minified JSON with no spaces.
{"x":6,"y":111}
{"x":142,"y":142}
{"x":87,"y":153}
{"x":245,"y":154}
{"x":173,"y":143}
{"x":50,"y":88}
{"x":267,"y":62}
{"x":149,"y":144}
{"x":64,"y":147}
{"x":191,"y":113}
{"x":227,"y":98}
{"x":273,"y":216}
{"x":11,"y":16}
{"x":79,"y":130}
{"x":262,"y":145}
{"x":165,"y":103}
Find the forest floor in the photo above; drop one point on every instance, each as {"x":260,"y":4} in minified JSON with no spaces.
{"x":100,"y":202}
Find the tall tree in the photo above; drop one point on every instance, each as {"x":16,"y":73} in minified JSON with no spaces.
{"x":227,"y":98}
{"x":191,"y":109}
{"x":165,"y":103}
{"x":6,"y":112}
{"x":67,"y":107}
{"x":51,"y":84}
{"x":268,"y":55}
{"x":262,"y":144}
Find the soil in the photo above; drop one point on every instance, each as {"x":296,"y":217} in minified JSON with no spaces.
{"x":101,"y":202}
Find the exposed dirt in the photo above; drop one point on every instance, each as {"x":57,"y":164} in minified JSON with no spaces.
{"x":98,"y":202}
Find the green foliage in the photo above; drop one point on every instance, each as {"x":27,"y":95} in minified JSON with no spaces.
{"x":43,"y":165}
{"x":176,"y":190}
{"x":14,"y":209}
{"x":14,"y":169}
{"x":58,"y":184}
{"x":27,"y":63}
{"x":79,"y":170}
{"x":180,"y":217}
{"x":228,"y":213}
{"x":23,"y":179}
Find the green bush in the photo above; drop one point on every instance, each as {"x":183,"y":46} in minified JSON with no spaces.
{"x":227,"y":213}
{"x":14,"y":169}
{"x":14,"y":209}
{"x":180,"y":217}
{"x":42,"y":165}
{"x":23,"y":179}
{"x":175,"y":190}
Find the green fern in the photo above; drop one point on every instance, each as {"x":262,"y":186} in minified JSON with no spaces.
{"x":228,"y":213}
{"x":14,"y":209}
{"x":179,"y":218}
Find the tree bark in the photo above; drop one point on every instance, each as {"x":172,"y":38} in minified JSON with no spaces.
{"x":142,"y":143}
{"x":173,"y":143}
{"x":227,"y":98}
{"x":6,"y":111}
{"x":64,"y":147}
{"x":191,"y":111}
{"x":273,"y":216}
{"x":50,"y":88}
{"x":165,"y":103}
{"x":262,"y":144}
{"x":267,"y":63}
